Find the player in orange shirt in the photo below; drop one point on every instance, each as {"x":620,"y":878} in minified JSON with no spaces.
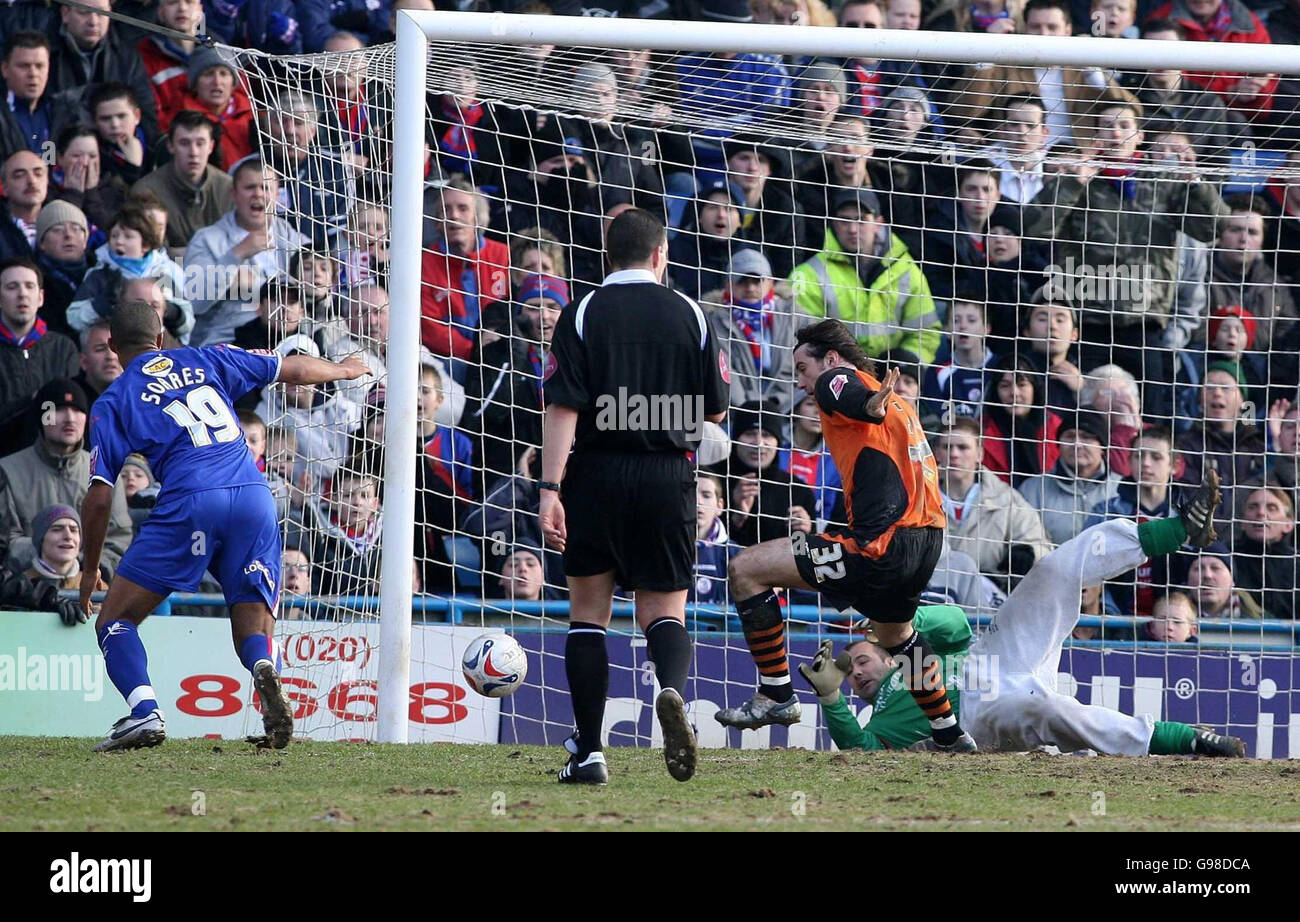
{"x":880,"y":563}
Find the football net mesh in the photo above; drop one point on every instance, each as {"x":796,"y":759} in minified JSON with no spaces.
{"x":1089,"y":277}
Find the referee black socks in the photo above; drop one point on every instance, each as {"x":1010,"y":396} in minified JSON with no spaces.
{"x":764,"y":627}
{"x":670,"y":650}
{"x":586,"y":663}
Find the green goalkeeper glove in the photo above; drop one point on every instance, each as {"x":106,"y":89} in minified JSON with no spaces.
{"x":827,"y":674}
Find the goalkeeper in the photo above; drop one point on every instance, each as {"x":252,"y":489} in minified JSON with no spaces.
{"x":1010,"y":702}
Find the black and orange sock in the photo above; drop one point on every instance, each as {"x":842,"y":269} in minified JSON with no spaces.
{"x":922,"y":675}
{"x":764,"y":626}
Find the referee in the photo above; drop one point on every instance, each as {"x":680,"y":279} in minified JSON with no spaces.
{"x":632,"y":375}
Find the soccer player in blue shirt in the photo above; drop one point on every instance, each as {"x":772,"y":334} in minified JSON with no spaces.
{"x":215,"y":511}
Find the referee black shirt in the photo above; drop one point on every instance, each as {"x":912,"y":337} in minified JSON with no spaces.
{"x":638,"y":363}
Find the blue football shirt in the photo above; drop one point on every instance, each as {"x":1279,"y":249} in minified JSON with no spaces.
{"x":176,"y":409}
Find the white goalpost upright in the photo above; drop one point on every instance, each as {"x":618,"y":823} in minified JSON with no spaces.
{"x":417,"y":35}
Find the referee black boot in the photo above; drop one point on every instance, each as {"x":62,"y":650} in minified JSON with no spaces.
{"x":590,"y":770}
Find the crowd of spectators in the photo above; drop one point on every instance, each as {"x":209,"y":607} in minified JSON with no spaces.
{"x":1085,"y":276}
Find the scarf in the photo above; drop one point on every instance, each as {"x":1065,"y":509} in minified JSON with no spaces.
{"x":982,"y":21}
{"x":458,"y":140}
{"x":717,"y":533}
{"x":470,"y":307}
{"x":1124,"y":176}
{"x":70,"y":272}
{"x":48,"y":572}
{"x":1220,"y":24}
{"x":754,"y":319}
{"x":355,"y":118}
{"x":37,"y":331}
{"x":132,"y":267}
{"x":363,"y":537}
{"x":868,"y":86}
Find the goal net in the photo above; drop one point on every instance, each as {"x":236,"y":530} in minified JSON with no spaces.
{"x":1079,"y":256}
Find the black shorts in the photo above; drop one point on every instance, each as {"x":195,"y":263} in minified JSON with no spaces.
{"x":633,"y":513}
{"x":886,"y":588}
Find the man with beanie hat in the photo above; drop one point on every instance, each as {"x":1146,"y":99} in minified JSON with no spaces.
{"x":62,"y":232}
{"x":56,"y":541}
{"x":754,"y":326}
{"x":1081,"y":480}
{"x":1211,"y":584}
{"x":54,"y":470}
{"x":30,"y":353}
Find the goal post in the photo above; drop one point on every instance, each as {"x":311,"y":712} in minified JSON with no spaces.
{"x":430,"y":46}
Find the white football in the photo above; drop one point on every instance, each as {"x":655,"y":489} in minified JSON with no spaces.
{"x":494,"y":665}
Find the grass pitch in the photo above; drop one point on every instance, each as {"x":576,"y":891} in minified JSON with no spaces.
{"x":59,"y":785}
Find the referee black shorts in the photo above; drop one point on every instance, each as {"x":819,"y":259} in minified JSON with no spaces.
{"x":886,"y":588}
{"x":633,"y":513}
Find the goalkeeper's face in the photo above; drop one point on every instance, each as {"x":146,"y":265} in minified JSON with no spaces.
{"x":870,"y":667}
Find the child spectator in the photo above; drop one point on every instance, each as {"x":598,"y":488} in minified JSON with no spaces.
{"x":122,"y":141}
{"x":56,"y":537}
{"x":714,"y":549}
{"x":317,"y":277}
{"x":768,"y":217}
{"x":365,"y":259}
{"x":956,"y":243}
{"x":78,"y":179}
{"x":1149,"y":493}
{"x":1230,"y":340}
{"x":1173,"y":620}
{"x":140,"y":488}
{"x":448,"y":453}
{"x":254,"y":436}
{"x":344,"y":528}
{"x":1021,"y":434}
{"x":134,"y":251}
{"x":1051,"y":330}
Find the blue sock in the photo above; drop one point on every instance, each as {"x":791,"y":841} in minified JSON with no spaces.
{"x":128,"y":666}
{"x":258,"y":647}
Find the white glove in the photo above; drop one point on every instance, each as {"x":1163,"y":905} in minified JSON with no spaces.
{"x":826,"y":675}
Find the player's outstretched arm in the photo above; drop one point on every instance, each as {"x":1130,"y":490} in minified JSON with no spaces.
{"x":96,"y":509}
{"x":306,"y":369}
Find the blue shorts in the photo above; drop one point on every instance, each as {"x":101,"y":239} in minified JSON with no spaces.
{"x":231,"y":532}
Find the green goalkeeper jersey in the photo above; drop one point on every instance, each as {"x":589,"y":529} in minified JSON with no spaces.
{"x":896,"y":720}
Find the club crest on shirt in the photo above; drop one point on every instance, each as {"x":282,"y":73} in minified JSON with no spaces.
{"x":157,"y":367}
{"x":837,"y":384}
{"x":551,"y":364}
{"x":723,"y":369}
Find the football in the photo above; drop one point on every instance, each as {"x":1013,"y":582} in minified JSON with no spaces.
{"x":494,"y":665}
